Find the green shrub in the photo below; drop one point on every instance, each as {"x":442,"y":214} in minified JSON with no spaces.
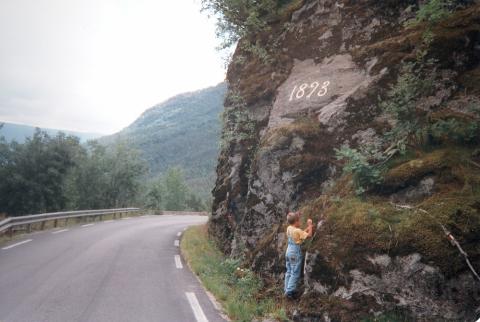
{"x":240,"y":18}
{"x":365,"y":174}
{"x":401,"y":104}
{"x":455,"y":131}
{"x":237,"y":125}
{"x":433,"y":11}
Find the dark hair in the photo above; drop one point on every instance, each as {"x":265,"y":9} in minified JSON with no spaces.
{"x":292,"y":218}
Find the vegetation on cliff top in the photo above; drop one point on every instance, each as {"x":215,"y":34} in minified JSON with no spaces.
{"x":241,"y":19}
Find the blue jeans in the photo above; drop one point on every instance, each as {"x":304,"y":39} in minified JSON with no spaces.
{"x":294,"y":261}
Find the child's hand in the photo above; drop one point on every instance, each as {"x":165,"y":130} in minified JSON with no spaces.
{"x":309,"y":222}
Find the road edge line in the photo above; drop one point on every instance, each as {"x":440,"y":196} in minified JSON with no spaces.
{"x":60,"y":231}
{"x":216,"y":304}
{"x":178,"y":262}
{"x":17,"y":244}
{"x":196,"y":307}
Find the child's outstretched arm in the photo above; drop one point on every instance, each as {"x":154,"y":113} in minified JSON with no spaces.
{"x":309,"y":229}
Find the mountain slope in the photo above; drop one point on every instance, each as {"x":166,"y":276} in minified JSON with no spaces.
{"x":19,"y":132}
{"x":183,"y":131}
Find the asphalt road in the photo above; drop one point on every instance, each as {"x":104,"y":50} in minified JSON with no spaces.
{"x":118,"y":271}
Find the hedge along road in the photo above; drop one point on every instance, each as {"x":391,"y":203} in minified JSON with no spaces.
{"x":124,"y":270}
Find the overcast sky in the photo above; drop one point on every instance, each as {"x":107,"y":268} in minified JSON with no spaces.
{"x":96,"y":65}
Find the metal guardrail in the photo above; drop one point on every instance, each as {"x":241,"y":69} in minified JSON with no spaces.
{"x":10,"y":223}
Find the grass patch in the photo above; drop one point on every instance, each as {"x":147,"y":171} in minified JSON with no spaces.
{"x":239,"y":290}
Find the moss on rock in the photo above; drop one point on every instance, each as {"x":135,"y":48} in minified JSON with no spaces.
{"x":355,"y":227}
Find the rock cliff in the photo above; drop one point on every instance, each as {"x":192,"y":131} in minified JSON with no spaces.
{"x":331,"y":75}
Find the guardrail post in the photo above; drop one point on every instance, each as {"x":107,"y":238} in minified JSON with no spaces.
{"x":55,"y":223}
{"x":29,"y":228}
{"x":66,"y":221}
{"x":42,"y":226}
{"x":10,"y":232}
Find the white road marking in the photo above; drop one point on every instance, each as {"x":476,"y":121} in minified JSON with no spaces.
{"x":184,"y":228}
{"x":196,"y":308}
{"x":143,"y":216}
{"x":179,"y":234}
{"x":87,"y":225}
{"x":177,"y":243}
{"x":107,"y":221}
{"x":178,"y":262}
{"x":17,"y":244}
{"x":125,"y":218}
{"x":60,"y":231}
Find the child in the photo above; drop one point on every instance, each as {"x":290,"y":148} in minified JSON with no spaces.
{"x":294,"y":258}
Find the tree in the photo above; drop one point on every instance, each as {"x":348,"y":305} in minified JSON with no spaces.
{"x":194,"y":203}
{"x":170,"y":192}
{"x":240,"y":18}
{"x":175,"y":189}
{"x":125,"y":172}
{"x":88,"y":181}
{"x":107,"y":177}
{"x":155,"y":195}
{"x":33,"y":174}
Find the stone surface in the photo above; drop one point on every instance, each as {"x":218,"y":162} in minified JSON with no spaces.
{"x":415,"y":193}
{"x":317,"y":89}
{"x":410,"y":282}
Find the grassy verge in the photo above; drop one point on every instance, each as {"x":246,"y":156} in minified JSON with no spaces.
{"x":239,"y":291}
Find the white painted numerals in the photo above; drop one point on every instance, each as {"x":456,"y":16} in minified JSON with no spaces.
{"x":308,"y":90}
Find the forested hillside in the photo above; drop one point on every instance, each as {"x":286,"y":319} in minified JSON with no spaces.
{"x":20,"y":132}
{"x":183,"y":132}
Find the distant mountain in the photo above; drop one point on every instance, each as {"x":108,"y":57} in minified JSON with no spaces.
{"x":182,"y":131}
{"x":19,"y":132}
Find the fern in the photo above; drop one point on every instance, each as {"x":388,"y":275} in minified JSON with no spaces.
{"x":365,"y":174}
{"x":433,"y":11}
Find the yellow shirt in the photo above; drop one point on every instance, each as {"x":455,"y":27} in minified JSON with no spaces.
{"x":297,"y":234}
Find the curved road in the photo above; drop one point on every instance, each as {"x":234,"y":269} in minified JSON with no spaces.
{"x":118,"y":271}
